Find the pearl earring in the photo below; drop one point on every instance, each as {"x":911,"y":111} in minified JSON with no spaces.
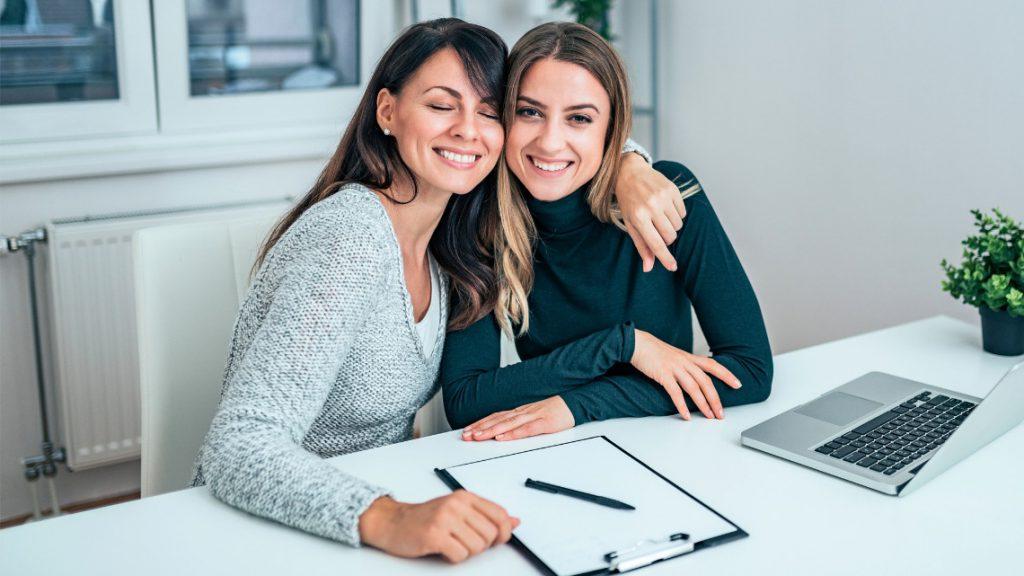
{"x":387,"y":132}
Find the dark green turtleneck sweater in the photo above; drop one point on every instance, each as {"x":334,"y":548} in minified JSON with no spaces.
{"x":589,"y":293}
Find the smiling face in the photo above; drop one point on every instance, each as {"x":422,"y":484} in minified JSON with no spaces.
{"x":447,"y":135}
{"x":557,"y":138}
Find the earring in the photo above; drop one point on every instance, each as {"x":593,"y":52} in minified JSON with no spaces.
{"x":387,"y":132}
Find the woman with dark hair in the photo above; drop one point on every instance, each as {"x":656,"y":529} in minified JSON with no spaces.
{"x":339,"y":339}
{"x":598,"y":338}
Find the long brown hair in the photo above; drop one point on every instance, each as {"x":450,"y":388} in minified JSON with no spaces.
{"x":513,"y":240}
{"x":368,"y":157}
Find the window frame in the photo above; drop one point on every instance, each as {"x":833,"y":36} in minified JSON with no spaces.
{"x":134,"y":112}
{"x":171,"y":141}
{"x":180,"y":112}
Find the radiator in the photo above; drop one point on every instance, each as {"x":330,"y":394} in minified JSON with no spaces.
{"x":92,"y":320}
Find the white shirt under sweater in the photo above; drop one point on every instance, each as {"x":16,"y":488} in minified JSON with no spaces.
{"x":427,"y":328}
{"x":324,"y":360}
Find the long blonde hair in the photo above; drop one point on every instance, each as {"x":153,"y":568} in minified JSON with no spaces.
{"x":514,"y":239}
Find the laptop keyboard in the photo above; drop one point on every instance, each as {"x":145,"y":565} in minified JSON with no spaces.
{"x":894,"y":440}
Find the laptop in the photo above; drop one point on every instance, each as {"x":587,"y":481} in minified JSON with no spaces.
{"x":889,"y":433}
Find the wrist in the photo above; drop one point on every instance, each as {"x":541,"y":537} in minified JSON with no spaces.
{"x":570,"y":418}
{"x":639,"y":340}
{"x":374,"y":520}
{"x":631,"y":162}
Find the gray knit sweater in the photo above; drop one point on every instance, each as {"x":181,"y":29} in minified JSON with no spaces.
{"x":324,"y":360}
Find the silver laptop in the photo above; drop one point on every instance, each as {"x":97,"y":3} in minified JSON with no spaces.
{"x":889,"y":433}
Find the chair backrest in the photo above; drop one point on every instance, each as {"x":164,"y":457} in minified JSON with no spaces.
{"x":189,"y":281}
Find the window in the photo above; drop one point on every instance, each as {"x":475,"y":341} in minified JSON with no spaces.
{"x":243,"y":64}
{"x":58,"y":51}
{"x":73,"y":68}
{"x":115,"y":86}
{"x":267,"y":45}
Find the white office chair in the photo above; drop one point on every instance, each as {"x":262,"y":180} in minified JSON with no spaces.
{"x":189,"y":280}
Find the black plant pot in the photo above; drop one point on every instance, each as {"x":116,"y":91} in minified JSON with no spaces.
{"x":1001,"y":333}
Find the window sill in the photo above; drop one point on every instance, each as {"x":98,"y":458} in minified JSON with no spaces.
{"x":42,"y":161}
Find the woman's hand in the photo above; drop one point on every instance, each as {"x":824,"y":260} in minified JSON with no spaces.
{"x":455,"y":526}
{"x":679,"y":371}
{"x":545,"y":417}
{"x":652,"y":209}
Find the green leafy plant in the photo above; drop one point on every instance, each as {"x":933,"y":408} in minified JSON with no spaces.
{"x":992,"y":272}
{"x":591,"y":13}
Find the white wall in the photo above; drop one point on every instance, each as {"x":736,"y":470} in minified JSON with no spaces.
{"x":843,"y":144}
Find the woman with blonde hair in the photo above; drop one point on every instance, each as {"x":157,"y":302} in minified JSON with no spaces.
{"x":599,"y":338}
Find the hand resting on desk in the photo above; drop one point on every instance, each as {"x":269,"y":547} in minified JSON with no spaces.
{"x":544,"y":417}
{"x":674,"y":369}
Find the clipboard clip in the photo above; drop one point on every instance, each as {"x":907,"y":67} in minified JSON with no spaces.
{"x":646,"y":552}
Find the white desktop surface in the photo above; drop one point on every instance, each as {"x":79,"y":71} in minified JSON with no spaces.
{"x":969,"y":520}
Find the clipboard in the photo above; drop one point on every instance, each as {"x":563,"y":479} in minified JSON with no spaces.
{"x":565,"y":536}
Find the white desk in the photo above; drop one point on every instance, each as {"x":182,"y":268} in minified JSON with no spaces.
{"x":970,"y":520}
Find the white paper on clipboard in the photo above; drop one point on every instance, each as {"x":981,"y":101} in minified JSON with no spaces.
{"x":572,"y":536}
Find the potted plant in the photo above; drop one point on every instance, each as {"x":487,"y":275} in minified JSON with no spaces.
{"x":991,"y":278}
{"x":591,"y":13}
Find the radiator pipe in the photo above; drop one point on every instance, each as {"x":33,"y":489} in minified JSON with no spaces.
{"x":30,"y":256}
{"x":44,"y":465}
{"x":54,"y":502}
{"x":32,"y":479}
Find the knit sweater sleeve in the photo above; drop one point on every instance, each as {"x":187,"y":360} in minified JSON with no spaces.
{"x":328,"y":269}
{"x":632,"y":146}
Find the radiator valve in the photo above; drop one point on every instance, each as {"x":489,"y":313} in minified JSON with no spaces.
{"x":23,"y":240}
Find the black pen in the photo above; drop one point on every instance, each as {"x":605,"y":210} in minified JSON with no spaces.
{"x":609,"y":502}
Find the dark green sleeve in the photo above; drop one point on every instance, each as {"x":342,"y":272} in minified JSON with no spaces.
{"x":728,"y":312}
{"x":473,"y":386}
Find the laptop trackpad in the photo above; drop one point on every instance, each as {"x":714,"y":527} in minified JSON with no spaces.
{"x":838,"y":408}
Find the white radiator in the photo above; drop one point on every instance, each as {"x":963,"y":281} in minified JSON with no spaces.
{"x":94,"y":353}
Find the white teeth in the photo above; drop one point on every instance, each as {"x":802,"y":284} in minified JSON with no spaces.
{"x":553,"y":167}
{"x":460,"y":158}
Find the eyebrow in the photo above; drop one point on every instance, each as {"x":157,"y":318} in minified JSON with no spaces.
{"x":533,"y":102}
{"x":490,"y":100}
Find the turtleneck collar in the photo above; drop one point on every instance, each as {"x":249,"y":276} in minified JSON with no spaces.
{"x":563,"y":215}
